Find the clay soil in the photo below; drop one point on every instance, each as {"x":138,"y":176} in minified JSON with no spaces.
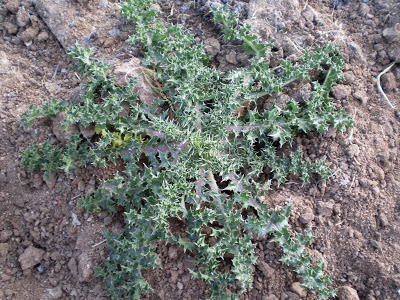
{"x":49,"y":248}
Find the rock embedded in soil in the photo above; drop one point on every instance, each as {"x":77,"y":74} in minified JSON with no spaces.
{"x":31,"y":257}
{"x":347,"y":293}
{"x":325,"y":208}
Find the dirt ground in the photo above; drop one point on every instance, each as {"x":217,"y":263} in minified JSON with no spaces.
{"x":49,"y":248}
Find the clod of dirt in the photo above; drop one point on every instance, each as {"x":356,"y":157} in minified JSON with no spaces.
{"x":172,"y":253}
{"x":347,"y":293}
{"x":392,"y":34}
{"x":341,"y":91}
{"x":325,"y":208}
{"x":31,"y":256}
{"x":361,"y":96}
{"x":11,"y":28}
{"x":298,"y":289}
{"x":337,"y":4}
{"x":73,"y":267}
{"x":307,"y":216}
{"x":5,"y":235}
{"x":51,"y":181}
{"x":353,"y":150}
{"x":231,"y":58}
{"x":85,"y":266}
{"x":22,"y":17}
{"x":29,"y":34}
{"x":213,"y":46}
{"x":270,"y":297}
{"x":389,"y":82}
{"x":13,"y":6}
{"x":363,"y":10}
{"x":43,"y":36}
{"x":383,"y":220}
{"x":289,"y":295}
{"x":56,"y":293}
{"x":3,"y":252}
{"x":266,"y":269}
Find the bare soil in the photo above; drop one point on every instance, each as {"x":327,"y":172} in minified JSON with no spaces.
{"x":49,"y":248}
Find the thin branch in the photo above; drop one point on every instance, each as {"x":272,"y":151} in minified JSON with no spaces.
{"x":378,"y":84}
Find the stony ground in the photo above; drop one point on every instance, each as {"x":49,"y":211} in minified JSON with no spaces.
{"x":49,"y":247}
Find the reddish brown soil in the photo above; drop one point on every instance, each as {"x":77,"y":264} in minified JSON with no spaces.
{"x":355,"y":215}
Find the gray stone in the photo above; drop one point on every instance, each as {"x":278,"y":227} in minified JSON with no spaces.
{"x":31,"y":256}
{"x":347,"y":293}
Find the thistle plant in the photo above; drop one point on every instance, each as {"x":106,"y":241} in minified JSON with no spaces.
{"x":195,"y":154}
